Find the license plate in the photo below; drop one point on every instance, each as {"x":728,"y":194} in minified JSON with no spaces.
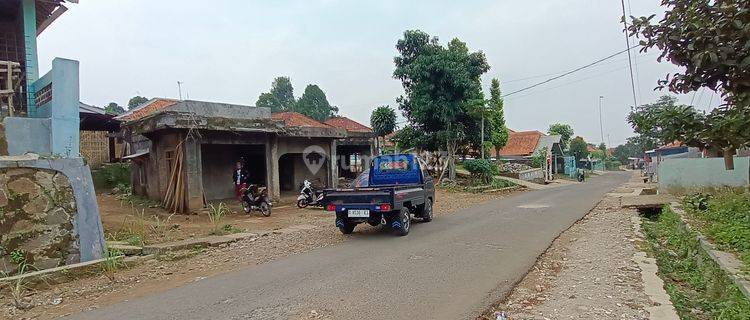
{"x":358,"y":213}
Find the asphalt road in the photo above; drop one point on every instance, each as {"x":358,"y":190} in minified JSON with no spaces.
{"x":451,"y":268}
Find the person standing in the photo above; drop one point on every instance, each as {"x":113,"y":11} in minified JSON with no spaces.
{"x":239,"y":177}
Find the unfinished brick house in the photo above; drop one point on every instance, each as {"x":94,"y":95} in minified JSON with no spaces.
{"x":202,"y":141}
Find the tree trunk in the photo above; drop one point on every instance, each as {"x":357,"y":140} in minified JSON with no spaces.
{"x":451,"y":161}
{"x":729,"y":158}
{"x":497,"y":153}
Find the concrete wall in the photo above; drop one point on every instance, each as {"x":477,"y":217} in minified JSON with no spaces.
{"x":28,"y":135}
{"x":222,"y":110}
{"x":54,"y":129}
{"x":46,"y":218}
{"x":695,"y":173}
{"x":218,"y":162}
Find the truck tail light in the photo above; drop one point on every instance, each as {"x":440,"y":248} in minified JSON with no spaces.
{"x":384,"y":207}
{"x":331,"y":207}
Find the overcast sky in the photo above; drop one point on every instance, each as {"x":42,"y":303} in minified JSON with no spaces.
{"x":230,"y":51}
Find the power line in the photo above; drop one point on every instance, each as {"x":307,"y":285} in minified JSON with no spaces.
{"x":560,"y":72}
{"x":627,"y":45}
{"x":571,"y":71}
{"x":574,"y":81}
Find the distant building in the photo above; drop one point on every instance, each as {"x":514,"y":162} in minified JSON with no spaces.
{"x":100,"y":143}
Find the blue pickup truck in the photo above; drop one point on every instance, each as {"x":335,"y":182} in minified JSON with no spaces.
{"x":398,"y":187}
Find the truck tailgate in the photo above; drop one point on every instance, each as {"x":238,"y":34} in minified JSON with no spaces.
{"x":356,"y":196}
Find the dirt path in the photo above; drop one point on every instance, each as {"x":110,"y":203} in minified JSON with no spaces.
{"x":159,"y":275}
{"x":587,"y":273}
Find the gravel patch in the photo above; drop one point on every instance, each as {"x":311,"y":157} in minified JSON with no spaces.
{"x":587,"y":273}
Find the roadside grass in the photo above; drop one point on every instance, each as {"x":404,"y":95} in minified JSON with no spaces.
{"x":724,"y":217}
{"x":216,"y":214}
{"x":699,"y":289}
{"x":112,"y":262}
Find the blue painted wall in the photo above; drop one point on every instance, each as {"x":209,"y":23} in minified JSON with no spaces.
{"x":55,"y":128}
{"x":690,"y":173}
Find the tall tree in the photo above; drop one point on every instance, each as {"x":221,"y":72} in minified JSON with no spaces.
{"x":564,"y":130}
{"x":710,"y":39}
{"x":499,"y":132}
{"x":314,"y":104}
{"x":383,"y":121}
{"x":631,"y":148}
{"x":136,"y":101}
{"x":281,"y":96}
{"x":114,"y":108}
{"x":579,"y":148}
{"x":442,"y":89}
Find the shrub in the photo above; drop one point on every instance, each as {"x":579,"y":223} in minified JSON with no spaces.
{"x":481,"y":169}
{"x":538,"y":159}
{"x":111,"y":175}
{"x":612,"y":164}
{"x":499,"y":183}
{"x":725,"y":218}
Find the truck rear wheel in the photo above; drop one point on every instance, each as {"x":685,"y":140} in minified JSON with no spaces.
{"x":402,"y":223}
{"x":426,"y":213}
{"x":347,"y":227}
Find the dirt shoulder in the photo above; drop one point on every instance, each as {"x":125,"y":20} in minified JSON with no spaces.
{"x":296,"y":231}
{"x":587,"y":273}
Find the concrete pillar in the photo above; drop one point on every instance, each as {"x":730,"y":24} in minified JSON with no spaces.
{"x":194,"y":173}
{"x":272,"y":166}
{"x":28,"y":11}
{"x":64,"y":108}
{"x":333,"y":171}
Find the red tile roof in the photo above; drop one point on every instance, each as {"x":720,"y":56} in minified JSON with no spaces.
{"x":295,"y":119}
{"x":150,"y":107}
{"x":348,"y":124}
{"x":521,"y":143}
{"x":674,"y":144}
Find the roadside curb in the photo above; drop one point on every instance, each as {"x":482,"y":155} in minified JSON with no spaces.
{"x":727,"y":261}
{"x":204,"y":242}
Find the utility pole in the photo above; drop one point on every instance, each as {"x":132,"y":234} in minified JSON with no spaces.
{"x":601,"y":126}
{"x":179,"y":88}
{"x":630,"y":61}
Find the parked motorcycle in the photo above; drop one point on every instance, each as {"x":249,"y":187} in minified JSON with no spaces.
{"x":308,"y":196}
{"x":255,"y":198}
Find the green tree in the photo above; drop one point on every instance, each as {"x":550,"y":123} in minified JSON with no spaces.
{"x":579,"y":148}
{"x":602,"y":147}
{"x":136,"y":101}
{"x":442,"y":89}
{"x":314,"y":104}
{"x":383,"y":121}
{"x":631,"y":149}
{"x":665,"y":122}
{"x":498,"y":130}
{"x":565,"y":131}
{"x":711,"y":41}
{"x":281,"y":96}
{"x":114,"y":108}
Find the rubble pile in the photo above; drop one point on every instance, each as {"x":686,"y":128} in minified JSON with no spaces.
{"x":513,"y":167}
